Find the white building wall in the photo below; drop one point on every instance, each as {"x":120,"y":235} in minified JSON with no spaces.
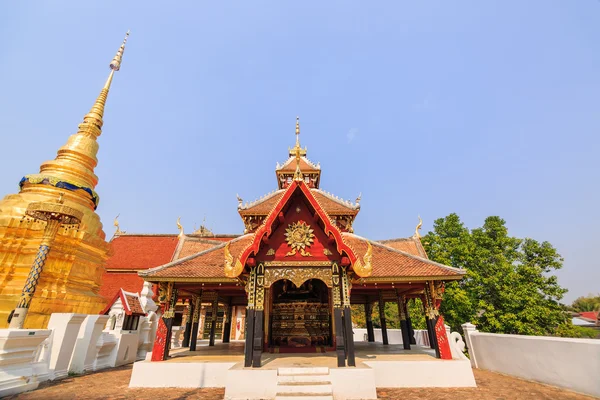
{"x":569,"y":363}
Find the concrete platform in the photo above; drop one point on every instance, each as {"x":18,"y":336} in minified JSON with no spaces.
{"x":303,"y":375}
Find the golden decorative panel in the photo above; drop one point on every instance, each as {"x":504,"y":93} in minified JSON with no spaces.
{"x":297,"y":275}
{"x":299,"y":236}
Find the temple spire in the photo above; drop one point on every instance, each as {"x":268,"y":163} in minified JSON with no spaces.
{"x":297,"y":147}
{"x":73,"y":167}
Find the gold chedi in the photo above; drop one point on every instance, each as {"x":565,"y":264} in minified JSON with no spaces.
{"x":73,"y":270}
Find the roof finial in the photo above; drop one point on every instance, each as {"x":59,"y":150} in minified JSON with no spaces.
{"x":180,"y":227}
{"x":417,"y":234}
{"x":116,"y":224}
{"x":297,"y":145}
{"x":297,"y":131}
{"x":298,"y":174}
{"x":115,"y":64}
{"x":358,"y":199}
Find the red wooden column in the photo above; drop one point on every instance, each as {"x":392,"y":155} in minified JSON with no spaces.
{"x":435,"y":293}
{"x":167,"y":296}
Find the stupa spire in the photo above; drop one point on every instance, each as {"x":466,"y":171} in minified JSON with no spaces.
{"x":73,"y":167}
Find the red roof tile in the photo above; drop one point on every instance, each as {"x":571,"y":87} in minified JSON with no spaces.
{"x":390,"y":262}
{"x":207,"y":264}
{"x":411,"y":245}
{"x":305,"y":165}
{"x":134,"y":252}
{"x":112,"y":282}
{"x":192,"y":246}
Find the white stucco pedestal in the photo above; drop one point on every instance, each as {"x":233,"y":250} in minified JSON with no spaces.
{"x":85,"y":350}
{"x":66,"y":328}
{"x":18,"y":350}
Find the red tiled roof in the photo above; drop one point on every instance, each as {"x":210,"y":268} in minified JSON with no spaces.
{"x":130,"y":301}
{"x":193,"y":246}
{"x":305,"y":165}
{"x":407,"y":245}
{"x":206,"y":264}
{"x":590,"y":314}
{"x":112,"y":282}
{"x":390,"y":262}
{"x":141,"y":251}
{"x":331,"y":205}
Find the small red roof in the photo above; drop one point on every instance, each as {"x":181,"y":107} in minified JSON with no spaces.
{"x":135,"y":252}
{"x":130,"y":301}
{"x":590,"y":314}
{"x":411,"y":245}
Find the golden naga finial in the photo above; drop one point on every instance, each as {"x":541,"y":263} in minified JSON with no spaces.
{"x":365,"y":268}
{"x":233,"y":267}
{"x":179,"y":226}
{"x":358,"y":198}
{"x":417,"y":234}
{"x":116,"y":224}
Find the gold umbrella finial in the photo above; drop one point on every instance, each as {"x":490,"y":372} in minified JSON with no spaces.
{"x":297,"y":131}
{"x":115,"y":64}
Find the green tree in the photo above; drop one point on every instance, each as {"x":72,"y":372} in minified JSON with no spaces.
{"x":586,"y":303}
{"x":508,"y":287}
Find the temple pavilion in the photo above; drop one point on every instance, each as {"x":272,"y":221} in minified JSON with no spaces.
{"x":295,"y":272}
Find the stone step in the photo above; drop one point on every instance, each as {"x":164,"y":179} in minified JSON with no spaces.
{"x":303,"y":378}
{"x":302,"y":397}
{"x":305,"y":388}
{"x":303,"y":371}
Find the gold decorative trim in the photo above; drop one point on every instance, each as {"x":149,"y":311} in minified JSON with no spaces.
{"x":271,"y":252}
{"x":192,"y":279}
{"x":297,"y":263}
{"x":405,"y":279}
{"x":297,"y":275}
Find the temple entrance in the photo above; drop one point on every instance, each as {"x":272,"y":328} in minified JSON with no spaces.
{"x":300,"y":317}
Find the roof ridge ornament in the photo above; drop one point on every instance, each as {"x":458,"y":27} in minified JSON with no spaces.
{"x":417,"y":234}
{"x":180,"y":227}
{"x":116,"y":224}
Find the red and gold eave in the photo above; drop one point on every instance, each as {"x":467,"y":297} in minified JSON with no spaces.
{"x":292,"y":207}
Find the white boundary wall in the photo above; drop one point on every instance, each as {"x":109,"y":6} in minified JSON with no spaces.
{"x":569,"y":363}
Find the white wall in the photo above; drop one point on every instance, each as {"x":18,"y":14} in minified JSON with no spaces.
{"x":394,"y":336}
{"x":569,"y":363}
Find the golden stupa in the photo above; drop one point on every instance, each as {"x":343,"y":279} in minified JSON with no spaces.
{"x":73,"y":271}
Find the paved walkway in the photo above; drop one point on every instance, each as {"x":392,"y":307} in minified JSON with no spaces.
{"x":112,"y":384}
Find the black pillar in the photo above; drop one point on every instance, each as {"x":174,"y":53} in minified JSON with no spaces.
{"x":249,"y":333}
{"x":339,"y":337}
{"x":259,"y":315}
{"x":403,"y":323}
{"x":227,"y":325}
{"x":411,"y":331}
{"x":195,"y":319}
{"x":349,"y":337}
{"x":213,"y":321}
{"x":188,"y":325}
{"x":168,"y":318}
{"x":369,"y":319}
{"x":384,"y":334}
{"x":248,"y":346}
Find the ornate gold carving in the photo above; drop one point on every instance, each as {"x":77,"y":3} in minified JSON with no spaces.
{"x":251,"y":288}
{"x":271,"y":252}
{"x":299,"y":236}
{"x":197,"y":305}
{"x":299,"y":264}
{"x":401,"y":306}
{"x":327,"y":252}
{"x":260,"y":288}
{"x":365,"y":268}
{"x":297,"y":275}
{"x":345,"y":288}
{"x":232,"y":268}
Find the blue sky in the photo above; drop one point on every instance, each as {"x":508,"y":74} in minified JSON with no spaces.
{"x":428,"y":107}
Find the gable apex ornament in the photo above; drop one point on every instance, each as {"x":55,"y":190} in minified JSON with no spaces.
{"x":233,"y":267}
{"x":418,"y":228}
{"x":365,"y":268}
{"x":299,"y":236}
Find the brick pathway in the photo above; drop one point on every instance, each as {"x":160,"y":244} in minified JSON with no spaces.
{"x":112,"y":384}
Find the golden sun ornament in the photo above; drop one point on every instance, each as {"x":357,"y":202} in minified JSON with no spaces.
{"x":299,"y":236}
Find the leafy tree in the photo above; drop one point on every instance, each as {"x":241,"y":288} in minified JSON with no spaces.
{"x":508,"y":287}
{"x":586,"y":303}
